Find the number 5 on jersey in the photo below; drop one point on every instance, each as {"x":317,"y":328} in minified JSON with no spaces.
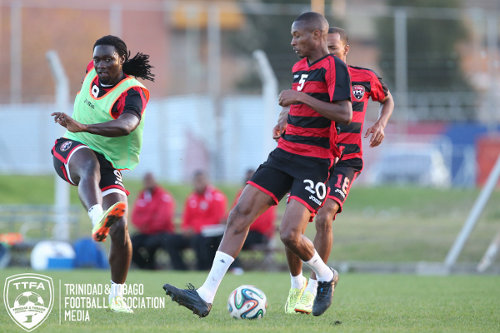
{"x":302,"y":80}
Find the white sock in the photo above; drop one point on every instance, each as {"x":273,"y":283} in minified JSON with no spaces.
{"x":323,"y":272}
{"x":298,"y":281}
{"x":95,"y":213}
{"x":116,"y":290}
{"x":221,"y":264}
{"x":312,"y":286}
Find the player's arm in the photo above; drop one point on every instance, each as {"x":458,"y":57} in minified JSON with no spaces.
{"x":127,"y":119}
{"x":377,"y":129}
{"x":338,"y":111}
{"x":338,"y":81}
{"x":121,"y":126}
{"x":282,"y":122}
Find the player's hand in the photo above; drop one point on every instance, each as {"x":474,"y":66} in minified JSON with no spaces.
{"x":67,"y":122}
{"x":277,"y":131}
{"x":377,"y":134}
{"x":289,"y":97}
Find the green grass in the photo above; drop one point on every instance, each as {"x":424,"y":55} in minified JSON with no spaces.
{"x":387,"y":224}
{"x":362,"y":303}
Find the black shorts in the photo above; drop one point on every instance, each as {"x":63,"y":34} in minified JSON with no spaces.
{"x":340,"y":183}
{"x":111,"y":178}
{"x":304,"y":177}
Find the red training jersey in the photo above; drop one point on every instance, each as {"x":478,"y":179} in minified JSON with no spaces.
{"x":154,"y":211}
{"x":204,"y":209}
{"x":308,"y":133}
{"x":264,"y":224}
{"x":365,"y":84}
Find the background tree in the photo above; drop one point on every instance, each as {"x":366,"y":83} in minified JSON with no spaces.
{"x":433,"y":57}
{"x":270,"y":33}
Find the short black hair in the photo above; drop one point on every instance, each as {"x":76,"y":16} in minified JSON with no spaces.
{"x":343,"y":35}
{"x":314,"y":20}
{"x":137,"y":66}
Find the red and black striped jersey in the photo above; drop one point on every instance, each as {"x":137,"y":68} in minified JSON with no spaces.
{"x":308,"y":133}
{"x":365,"y":84}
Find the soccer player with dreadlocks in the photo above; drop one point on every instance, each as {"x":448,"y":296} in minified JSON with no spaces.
{"x":104,"y":136}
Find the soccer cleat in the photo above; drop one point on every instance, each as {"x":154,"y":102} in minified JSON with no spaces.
{"x":305,"y":302}
{"x":189,"y":298}
{"x":293,"y":296}
{"x":118,"y":304}
{"x":324,"y":295}
{"x":113,"y":214}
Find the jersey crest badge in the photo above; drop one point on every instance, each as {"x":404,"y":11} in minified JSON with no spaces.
{"x":358,"y":91}
{"x":65,"y":146}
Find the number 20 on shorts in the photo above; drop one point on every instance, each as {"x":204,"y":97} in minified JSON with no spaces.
{"x":319,"y":189}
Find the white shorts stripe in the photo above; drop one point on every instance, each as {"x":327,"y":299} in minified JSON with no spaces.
{"x":66,"y":165}
{"x":113,"y":190}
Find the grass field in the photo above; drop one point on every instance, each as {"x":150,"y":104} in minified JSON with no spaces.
{"x":384,"y":224}
{"x":362,"y":303}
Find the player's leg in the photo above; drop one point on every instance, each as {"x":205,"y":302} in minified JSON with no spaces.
{"x":294,"y":222}
{"x":251,"y":204}
{"x":77,"y":164}
{"x":120,"y":254}
{"x":267,"y":186}
{"x":308,"y":193}
{"x":298,"y":282}
{"x":296,"y":216}
{"x":340,"y":183}
{"x":323,"y":241}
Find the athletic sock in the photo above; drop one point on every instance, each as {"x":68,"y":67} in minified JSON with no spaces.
{"x":221,"y":264}
{"x":95,"y":213}
{"x":116,"y":290}
{"x":312,"y":286}
{"x":323,"y":272}
{"x":298,"y":281}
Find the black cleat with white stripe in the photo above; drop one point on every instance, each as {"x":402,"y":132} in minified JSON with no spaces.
{"x":189,"y":298}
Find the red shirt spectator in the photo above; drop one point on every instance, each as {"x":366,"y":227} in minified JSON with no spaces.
{"x":154,"y":212}
{"x":203,"y":208}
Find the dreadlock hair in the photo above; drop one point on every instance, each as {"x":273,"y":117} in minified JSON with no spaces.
{"x":341,"y":32}
{"x":137,"y":66}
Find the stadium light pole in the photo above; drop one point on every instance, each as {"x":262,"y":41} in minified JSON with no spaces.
{"x":61,"y":197}
{"x":214,"y":85}
{"x":401,"y":61}
{"x":269,"y":96}
{"x":16,"y":44}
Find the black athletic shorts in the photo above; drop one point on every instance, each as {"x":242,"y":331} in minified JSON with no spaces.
{"x":111,"y":178}
{"x":304,"y":177}
{"x":340,"y":183}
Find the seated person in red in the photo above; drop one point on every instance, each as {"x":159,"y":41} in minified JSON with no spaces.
{"x":153,"y":217}
{"x":205,"y":207}
{"x":262,"y":230}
